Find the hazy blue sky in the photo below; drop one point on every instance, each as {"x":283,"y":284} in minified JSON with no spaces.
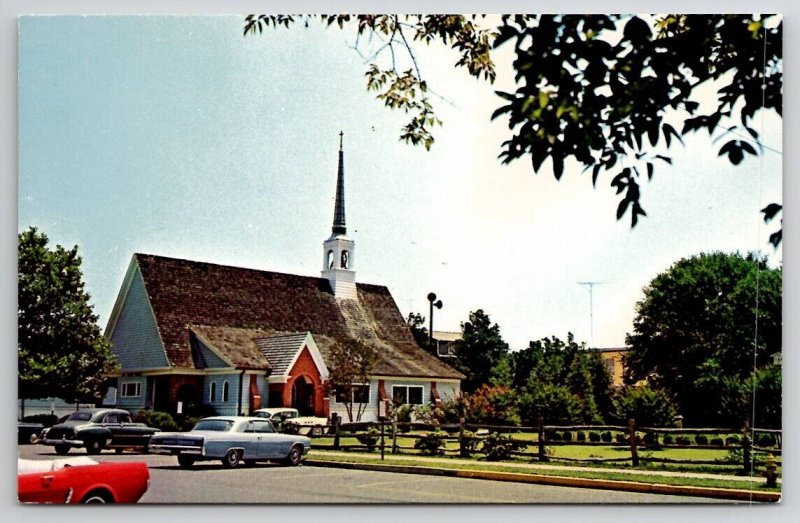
{"x":178,"y":136}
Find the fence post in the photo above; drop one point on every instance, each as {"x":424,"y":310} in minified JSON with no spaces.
{"x":632,"y":440}
{"x":747,"y":446}
{"x":337,"y":431}
{"x":394,"y":435}
{"x":383,"y":424}
{"x":462,"y":449}
{"x":542,"y":456}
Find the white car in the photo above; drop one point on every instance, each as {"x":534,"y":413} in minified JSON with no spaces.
{"x":233,"y":440}
{"x":309,"y":425}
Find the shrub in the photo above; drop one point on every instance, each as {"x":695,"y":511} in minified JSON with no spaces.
{"x":497,"y":447}
{"x":580,"y":436}
{"x":717,"y":441}
{"x":765,"y":440}
{"x":403,"y":415}
{"x":555,"y":403}
{"x":668,"y":439}
{"x":47,"y":420}
{"x":733,"y":440}
{"x":651,"y":439}
{"x":621,"y":438}
{"x":594,"y":436}
{"x":683,"y":440}
{"x":650,"y":407}
{"x":157,"y":419}
{"x":369,"y":438}
{"x":189,"y":422}
{"x":552,"y":436}
{"x":701,"y":439}
{"x":431,"y":444}
{"x":566,"y":436}
{"x":469,"y":443}
{"x":606,"y":436}
{"x":494,"y":405}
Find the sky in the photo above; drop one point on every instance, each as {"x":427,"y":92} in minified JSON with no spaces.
{"x":178,"y":136}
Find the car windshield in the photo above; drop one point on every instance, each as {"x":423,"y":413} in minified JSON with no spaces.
{"x":219,"y":425}
{"x":80,"y":416}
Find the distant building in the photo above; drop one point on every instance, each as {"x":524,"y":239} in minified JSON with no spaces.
{"x":613,"y":359}
{"x":446,"y":343}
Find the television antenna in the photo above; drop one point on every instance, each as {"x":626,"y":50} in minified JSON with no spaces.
{"x":590,"y":285}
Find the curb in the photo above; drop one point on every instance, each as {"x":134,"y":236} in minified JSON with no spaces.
{"x":563,"y":481}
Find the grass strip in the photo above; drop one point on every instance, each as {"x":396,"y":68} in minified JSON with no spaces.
{"x":587,"y":474}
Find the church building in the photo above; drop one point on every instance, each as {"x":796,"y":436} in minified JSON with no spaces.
{"x":189,"y":332}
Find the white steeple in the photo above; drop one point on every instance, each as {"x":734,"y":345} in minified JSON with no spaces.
{"x":338,"y":250}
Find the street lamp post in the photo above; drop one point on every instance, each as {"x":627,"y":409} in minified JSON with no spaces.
{"x":434,"y":303}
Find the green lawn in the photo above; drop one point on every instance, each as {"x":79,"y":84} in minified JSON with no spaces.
{"x":571,"y":452}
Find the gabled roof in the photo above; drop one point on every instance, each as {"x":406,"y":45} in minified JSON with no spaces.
{"x":281,"y":350}
{"x":187,"y":294}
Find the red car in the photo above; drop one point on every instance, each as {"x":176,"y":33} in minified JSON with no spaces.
{"x":80,"y":480}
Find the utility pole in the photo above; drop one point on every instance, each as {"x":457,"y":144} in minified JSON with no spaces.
{"x":590,"y":285}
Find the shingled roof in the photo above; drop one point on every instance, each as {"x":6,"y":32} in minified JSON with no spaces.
{"x":280,"y":350}
{"x":186,"y":294}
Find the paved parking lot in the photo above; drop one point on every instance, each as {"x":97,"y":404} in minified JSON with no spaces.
{"x":210,"y":483}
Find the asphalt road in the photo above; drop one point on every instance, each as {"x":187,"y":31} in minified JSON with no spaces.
{"x":265,"y":483}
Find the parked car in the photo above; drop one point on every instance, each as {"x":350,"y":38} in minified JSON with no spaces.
{"x":28,"y":432}
{"x":280,"y":416}
{"x":80,"y":480}
{"x":233,"y":440}
{"x":98,"y":429}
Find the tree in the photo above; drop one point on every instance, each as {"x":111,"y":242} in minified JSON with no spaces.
{"x":650,"y":407}
{"x":561,"y":381}
{"x":695,"y":328}
{"x":605,"y":91}
{"x":480,"y":349}
{"x":349,"y":370}
{"x":61,"y":352}
{"x":416,"y":324}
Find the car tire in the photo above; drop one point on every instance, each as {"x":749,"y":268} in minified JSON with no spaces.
{"x":316,"y":431}
{"x":97,"y":497}
{"x":94,"y":446}
{"x":231,"y":459}
{"x":295,"y":456}
{"x":185,"y":462}
{"x":62,"y":450}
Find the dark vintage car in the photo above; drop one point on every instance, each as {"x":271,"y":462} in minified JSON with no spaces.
{"x":80,"y":480}
{"x":28,"y":432}
{"x":232,"y":440}
{"x":98,"y":429}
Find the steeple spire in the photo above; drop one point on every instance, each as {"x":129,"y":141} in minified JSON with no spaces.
{"x":339,"y":226}
{"x":337,"y":262}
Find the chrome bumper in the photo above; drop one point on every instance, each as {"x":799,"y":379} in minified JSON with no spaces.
{"x":174,"y":449}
